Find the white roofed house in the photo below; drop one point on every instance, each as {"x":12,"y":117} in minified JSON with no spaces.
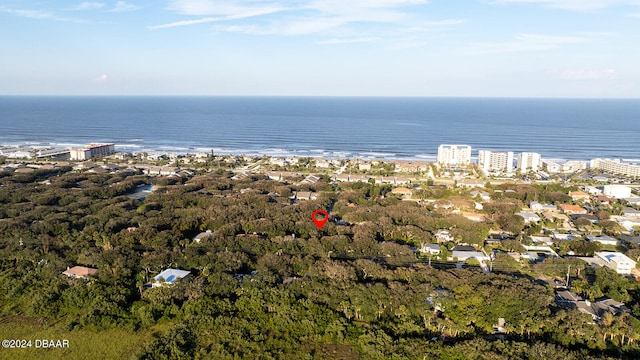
{"x":169,"y":277}
{"x":528,"y":217}
{"x":431,"y":249}
{"x":619,"y":262}
{"x":202,"y":236}
{"x":539,"y":207}
{"x":604,"y":240}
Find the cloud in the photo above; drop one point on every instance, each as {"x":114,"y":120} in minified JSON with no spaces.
{"x":586,"y":74}
{"x":100,"y":79}
{"x":297,"y":17}
{"x":575,"y":5}
{"x":123,"y":6}
{"x":526,"y":43}
{"x":38,"y":15}
{"x":88,"y":6}
{"x":347,"y":41}
{"x":235,"y":16}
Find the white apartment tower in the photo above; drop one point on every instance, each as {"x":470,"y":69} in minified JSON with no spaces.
{"x":493,"y":161}
{"x":528,"y":161}
{"x":454,"y":155}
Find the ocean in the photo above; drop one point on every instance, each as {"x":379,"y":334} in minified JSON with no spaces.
{"x":364,"y":127}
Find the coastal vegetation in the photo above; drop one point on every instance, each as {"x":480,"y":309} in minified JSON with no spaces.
{"x":267,"y":283}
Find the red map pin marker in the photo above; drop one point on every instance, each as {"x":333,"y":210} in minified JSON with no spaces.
{"x":320,"y":223}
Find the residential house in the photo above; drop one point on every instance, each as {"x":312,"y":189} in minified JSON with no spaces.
{"x":597,"y":309}
{"x":169,"y":277}
{"x":443,"y":236}
{"x":341,"y":177}
{"x":572,"y":209}
{"x":579,"y":196}
{"x":528,"y":217}
{"x":485,"y":196}
{"x":470,"y":183}
{"x":547,"y":240}
{"x":464,"y":252}
{"x":411,"y":166}
{"x":402,"y":191}
{"x":617,"y":261}
{"x":305,"y":195}
{"x":604,"y":240}
{"x":552,"y":216}
{"x":539,"y":207}
{"x":311,"y":179}
{"x":202,"y":236}
{"x":629,"y":211}
{"x":563,"y":236}
{"x":431,"y":249}
{"x":630,"y":240}
{"x":79,"y":272}
{"x":323,"y":164}
{"x":592,"y":218}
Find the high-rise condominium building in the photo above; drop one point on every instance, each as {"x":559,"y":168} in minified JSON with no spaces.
{"x":493,"y":161}
{"x":454,"y":155}
{"x":528,"y":161}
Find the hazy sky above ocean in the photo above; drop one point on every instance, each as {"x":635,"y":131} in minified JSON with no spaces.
{"x":496,"y":48}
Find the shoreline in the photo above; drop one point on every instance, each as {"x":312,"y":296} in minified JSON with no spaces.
{"x":371,"y":155}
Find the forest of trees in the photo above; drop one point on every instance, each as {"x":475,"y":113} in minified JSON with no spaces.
{"x":268,"y":284}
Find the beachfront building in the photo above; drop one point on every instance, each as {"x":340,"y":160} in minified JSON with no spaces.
{"x":454,"y":155}
{"x":529,"y":161}
{"x":573,"y":166}
{"x":615,"y":166}
{"x":551,"y":167}
{"x":619,"y":262}
{"x":493,"y":161}
{"x":92,"y":150}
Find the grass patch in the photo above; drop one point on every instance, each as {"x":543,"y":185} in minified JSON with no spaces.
{"x":83,"y":344}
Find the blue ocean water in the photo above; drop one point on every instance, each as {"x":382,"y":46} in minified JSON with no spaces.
{"x":329,"y":126}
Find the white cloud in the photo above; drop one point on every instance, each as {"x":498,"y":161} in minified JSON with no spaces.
{"x":88,"y":6}
{"x":38,"y":15}
{"x":587,"y":74}
{"x":527,"y":42}
{"x":100,"y":79}
{"x":234,"y":16}
{"x":576,"y":5}
{"x":289,"y":27}
{"x":123,"y":6}
{"x":347,"y":40}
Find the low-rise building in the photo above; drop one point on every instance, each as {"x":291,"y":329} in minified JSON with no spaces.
{"x":538,"y":207}
{"x":305,"y":195}
{"x":402,"y":191}
{"x":604,"y":239}
{"x":463,"y":253}
{"x":169,"y":277}
{"x":528,"y":217}
{"x":617,"y":261}
{"x":431,"y":249}
{"x":572,"y":209}
{"x":629,"y":211}
{"x":579,"y":196}
{"x":80,"y":272}
{"x":202,"y":236}
{"x":617,"y":191}
{"x":443,"y":235}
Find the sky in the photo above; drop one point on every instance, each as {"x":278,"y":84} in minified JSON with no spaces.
{"x":470,"y":48}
